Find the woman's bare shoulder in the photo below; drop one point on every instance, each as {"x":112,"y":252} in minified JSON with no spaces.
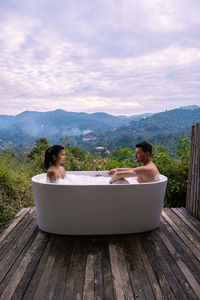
{"x":51,"y":172}
{"x":62,"y":171}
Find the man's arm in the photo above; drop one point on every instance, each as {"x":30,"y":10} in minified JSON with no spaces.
{"x":112,"y":171}
{"x":122,"y":174}
{"x":134,"y":172}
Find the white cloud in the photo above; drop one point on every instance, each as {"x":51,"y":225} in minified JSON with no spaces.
{"x":120,"y":57}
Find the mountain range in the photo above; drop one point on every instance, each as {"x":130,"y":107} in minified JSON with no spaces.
{"x":164,"y":128}
{"x":22,"y":130}
{"x":97,"y":128}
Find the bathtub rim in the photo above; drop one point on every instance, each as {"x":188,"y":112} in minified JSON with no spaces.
{"x":163,"y":178}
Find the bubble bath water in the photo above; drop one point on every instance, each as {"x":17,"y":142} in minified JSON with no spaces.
{"x":72,"y":179}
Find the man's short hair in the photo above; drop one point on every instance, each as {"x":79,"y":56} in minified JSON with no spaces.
{"x":146,"y":147}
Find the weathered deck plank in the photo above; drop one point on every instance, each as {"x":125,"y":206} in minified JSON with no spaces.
{"x":192,"y":219}
{"x":160,"y":264}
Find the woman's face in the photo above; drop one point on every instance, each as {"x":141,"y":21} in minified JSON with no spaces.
{"x":60,"y":158}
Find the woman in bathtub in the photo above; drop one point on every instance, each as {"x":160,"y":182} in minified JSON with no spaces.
{"x":148,"y":172}
{"x":53,"y":161}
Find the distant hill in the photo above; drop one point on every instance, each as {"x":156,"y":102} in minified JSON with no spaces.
{"x":190,"y":107}
{"x":96,"y":129}
{"x":173,"y":120}
{"x":21,"y":130}
{"x":164,"y":128}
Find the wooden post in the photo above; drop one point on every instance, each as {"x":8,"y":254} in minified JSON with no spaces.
{"x":94,"y":165}
{"x":99,"y":162}
{"x":104,"y":164}
{"x":193,"y":187}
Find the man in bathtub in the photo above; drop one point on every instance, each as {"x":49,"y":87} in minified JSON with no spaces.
{"x":148,"y":172}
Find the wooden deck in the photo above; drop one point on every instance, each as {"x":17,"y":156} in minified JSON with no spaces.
{"x":161,"y":264}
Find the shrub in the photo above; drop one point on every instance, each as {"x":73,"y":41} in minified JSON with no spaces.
{"x":77,"y":159}
{"x":176,"y":170}
{"x":15,"y":190}
{"x":123,"y":158}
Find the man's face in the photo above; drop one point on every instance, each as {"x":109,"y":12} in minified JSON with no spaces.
{"x":140,"y":155}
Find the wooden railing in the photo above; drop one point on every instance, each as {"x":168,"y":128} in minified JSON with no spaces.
{"x":193,"y":187}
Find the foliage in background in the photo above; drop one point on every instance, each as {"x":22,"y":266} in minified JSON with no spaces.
{"x":16,"y":171}
{"x":15,"y":188}
{"x":36,"y":157}
{"x":176,"y":170}
{"x":77,"y":159}
{"x":124,"y":158}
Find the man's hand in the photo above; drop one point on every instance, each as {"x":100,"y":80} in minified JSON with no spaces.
{"x":112,"y":171}
{"x":115,"y":177}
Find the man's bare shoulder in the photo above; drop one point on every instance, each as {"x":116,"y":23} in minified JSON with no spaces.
{"x":140,"y":170}
{"x":149,"y":168}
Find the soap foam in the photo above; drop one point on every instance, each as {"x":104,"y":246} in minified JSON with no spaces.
{"x":72,"y":179}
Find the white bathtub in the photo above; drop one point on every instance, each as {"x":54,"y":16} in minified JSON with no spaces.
{"x":98,"y":209}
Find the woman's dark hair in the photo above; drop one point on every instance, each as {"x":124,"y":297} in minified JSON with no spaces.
{"x":48,"y":158}
{"x":146,"y":147}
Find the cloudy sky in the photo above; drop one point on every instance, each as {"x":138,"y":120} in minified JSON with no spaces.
{"x":117,"y":56}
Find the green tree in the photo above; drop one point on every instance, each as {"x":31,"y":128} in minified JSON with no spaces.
{"x":123,"y":158}
{"x":176,"y":171}
{"x":76,"y":158}
{"x":183,"y":150}
{"x":36,"y":156}
{"x":39,"y":148}
{"x":15,"y":188}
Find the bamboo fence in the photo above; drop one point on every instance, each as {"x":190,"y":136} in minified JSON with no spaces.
{"x":193,"y":187}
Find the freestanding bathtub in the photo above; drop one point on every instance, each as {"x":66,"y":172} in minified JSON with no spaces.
{"x":98,"y":209}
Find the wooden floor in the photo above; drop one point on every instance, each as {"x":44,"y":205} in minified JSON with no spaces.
{"x":161,"y":264}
